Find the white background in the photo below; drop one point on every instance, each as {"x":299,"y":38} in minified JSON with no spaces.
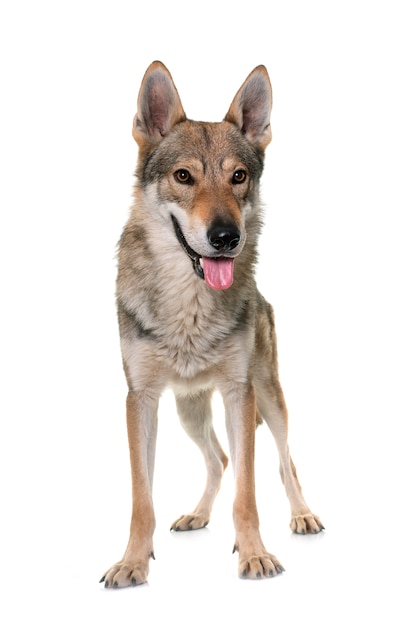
{"x":337,"y":262}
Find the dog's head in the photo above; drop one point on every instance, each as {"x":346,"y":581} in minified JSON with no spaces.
{"x":203,"y":177}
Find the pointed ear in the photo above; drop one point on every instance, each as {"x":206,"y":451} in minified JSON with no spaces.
{"x":159,"y":107}
{"x":250,"y":110}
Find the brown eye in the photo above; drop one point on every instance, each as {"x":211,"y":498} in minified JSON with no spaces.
{"x":239,"y":177}
{"x":183,"y":177}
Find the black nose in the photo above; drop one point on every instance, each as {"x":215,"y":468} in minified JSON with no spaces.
{"x":224,"y":237}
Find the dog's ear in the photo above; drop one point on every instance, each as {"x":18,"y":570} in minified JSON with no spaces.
{"x":250,"y":110}
{"x":158,"y":105}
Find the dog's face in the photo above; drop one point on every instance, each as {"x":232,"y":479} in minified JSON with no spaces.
{"x":202,"y":178}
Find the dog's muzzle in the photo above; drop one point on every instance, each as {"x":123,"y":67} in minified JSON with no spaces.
{"x":216,"y":271}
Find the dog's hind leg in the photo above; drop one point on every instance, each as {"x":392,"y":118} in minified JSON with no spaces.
{"x":196,"y":418}
{"x":272,"y":407}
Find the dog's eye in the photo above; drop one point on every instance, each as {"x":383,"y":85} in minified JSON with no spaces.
{"x":239,"y":177}
{"x":183,"y":177}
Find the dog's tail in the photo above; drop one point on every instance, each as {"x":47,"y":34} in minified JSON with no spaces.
{"x":259,"y":419}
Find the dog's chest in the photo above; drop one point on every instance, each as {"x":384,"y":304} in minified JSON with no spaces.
{"x":189,"y":332}
{"x":186,"y":325}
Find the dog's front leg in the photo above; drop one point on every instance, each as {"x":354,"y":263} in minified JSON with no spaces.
{"x":142,"y":429}
{"x":254,"y":560}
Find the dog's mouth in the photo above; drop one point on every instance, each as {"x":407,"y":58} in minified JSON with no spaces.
{"x":218,"y":272}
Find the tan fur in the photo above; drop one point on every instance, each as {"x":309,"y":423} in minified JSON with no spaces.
{"x":177,"y":331}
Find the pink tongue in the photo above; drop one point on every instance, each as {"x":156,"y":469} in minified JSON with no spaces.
{"x":218,"y":272}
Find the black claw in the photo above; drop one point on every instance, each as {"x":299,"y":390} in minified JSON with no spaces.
{"x":115,"y":584}
{"x":272,"y":573}
{"x":106,"y":584}
{"x":133,"y":582}
{"x":102,"y":579}
{"x":258,"y":575}
{"x":235,"y":549}
{"x":244,"y":574}
{"x":152,"y":554}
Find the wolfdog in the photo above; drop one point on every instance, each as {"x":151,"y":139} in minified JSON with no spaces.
{"x":191,"y":317}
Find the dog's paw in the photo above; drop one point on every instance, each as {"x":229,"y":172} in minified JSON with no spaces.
{"x":193,"y":521}
{"x":306,"y":524}
{"x":125,"y":574}
{"x":257,"y":567}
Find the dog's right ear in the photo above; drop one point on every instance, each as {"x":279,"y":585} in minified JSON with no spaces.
{"x":250,"y":110}
{"x":159,"y":107}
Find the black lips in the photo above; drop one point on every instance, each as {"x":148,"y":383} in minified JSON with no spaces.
{"x":194,"y":256}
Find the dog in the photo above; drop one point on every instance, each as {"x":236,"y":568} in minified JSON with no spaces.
{"x":191,"y":317}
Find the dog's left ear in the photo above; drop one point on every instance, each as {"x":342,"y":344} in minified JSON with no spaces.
{"x":159,"y":107}
{"x":250,"y":110}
